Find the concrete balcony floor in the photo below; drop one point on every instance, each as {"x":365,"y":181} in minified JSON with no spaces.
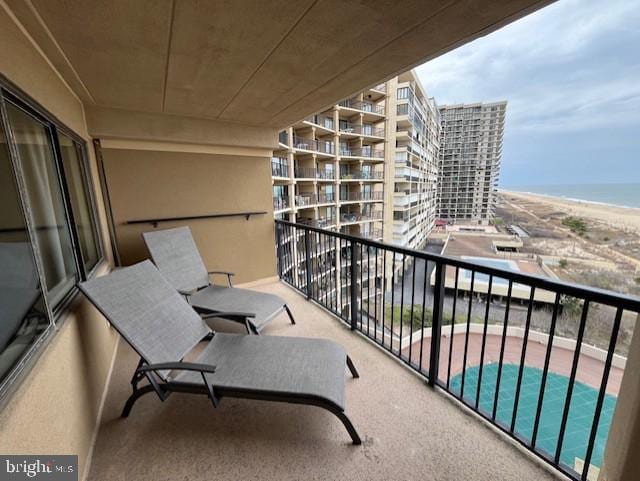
{"x":409,"y":431}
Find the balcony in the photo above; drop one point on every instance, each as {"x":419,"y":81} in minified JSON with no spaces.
{"x":306,"y":200}
{"x":279,"y":167}
{"x":313,"y":173}
{"x":364,"y":152}
{"x":355,"y":217}
{"x":391,"y":407}
{"x":361,"y":196}
{"x":357,"y":174}
{"x":363,"y":106}
{"x":533,"y":368}
{"x":320,"y":223}
{"x":326,"y":198}
{"x":281,"y":202}
{"x":323,"y":147}
{"x":322,"y":121}
{"x":349,"y":129}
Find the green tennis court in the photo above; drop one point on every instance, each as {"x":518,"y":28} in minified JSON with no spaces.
{"x":581,"y":412}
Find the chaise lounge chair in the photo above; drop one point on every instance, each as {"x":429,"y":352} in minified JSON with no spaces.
{"x":162,"y":328}
{"x":175,"y":254}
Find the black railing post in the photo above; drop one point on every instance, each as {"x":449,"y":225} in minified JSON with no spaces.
{"x":436,"y":323}
{"x":307,"y":253}
{"x":354,"y":287}
{"x":279,"y":248}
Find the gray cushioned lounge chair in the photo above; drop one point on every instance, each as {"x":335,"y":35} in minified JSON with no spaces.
{"x":162,"y":328}
{"x":175,"y":253}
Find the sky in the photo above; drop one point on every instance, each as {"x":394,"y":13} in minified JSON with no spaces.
{"x":571,"y":75}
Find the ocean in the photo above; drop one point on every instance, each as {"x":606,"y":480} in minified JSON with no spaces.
{"x":622,"y":195}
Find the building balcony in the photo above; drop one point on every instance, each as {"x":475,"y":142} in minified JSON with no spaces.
{"x":326,"y":198}
{"x":314,"y":174}
{"x":318,"y":147}
{"x":361,"y":196}
{"x":279,"y":167}
{"x":306,"y":200}
{"x":363,"y":106}
{"x":281,"y":203}
{"x":354,"y":174}
{"x":364,"y":152}
{"x":321,"y":122}
{"x":348,"y":129}
{"x":320,"y":223}
{"x":356,"y":217}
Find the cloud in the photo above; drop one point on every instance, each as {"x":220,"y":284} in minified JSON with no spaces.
{"x":572,"y":68}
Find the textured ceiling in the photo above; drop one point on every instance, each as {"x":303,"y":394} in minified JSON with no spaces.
{"x":268,"y":62}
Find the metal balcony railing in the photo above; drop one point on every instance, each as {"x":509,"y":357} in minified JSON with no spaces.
{"x":305,"y":172}
{"x":362,"y":152}
{"x":355,"y":196}
{"x":326,"y":174}
{"x":326,"y":198}
{"x":281,"y":202}
{"x":490,"y":337}
{"x":279,"y":167}
{"x":319,"y":223}
{"x":371,"y":234}
{"x":349,"y":174}
{"x":321,"y":120}
{"x":306,"y":199}
{"x":322,"y":146}
{"x":365,"y":129}
{"x":347,"y":217}
{"x":363,"y":106}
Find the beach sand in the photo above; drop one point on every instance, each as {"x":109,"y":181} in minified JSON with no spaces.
{"x":617,"y":217}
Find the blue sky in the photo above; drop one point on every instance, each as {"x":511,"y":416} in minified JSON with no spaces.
{"x":571,"y":75}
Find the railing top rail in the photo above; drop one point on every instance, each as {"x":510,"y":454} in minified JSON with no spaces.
{"x":593,"y":294}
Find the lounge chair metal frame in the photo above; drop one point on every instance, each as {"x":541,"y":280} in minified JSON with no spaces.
{"x":163,"y":389}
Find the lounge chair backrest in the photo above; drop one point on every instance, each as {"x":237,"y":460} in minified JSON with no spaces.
{"x":175,"y":253}
{"x":147,"y":311}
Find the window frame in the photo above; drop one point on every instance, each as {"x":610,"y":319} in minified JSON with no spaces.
{"x":56,"y":315}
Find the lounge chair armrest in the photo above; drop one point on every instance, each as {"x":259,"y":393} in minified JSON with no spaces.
{"x":187,"y":293}
{"x":225,"y":273}
{"x":182,"y":366}
{"x":229,"y":314}
{"x":177,"y":366}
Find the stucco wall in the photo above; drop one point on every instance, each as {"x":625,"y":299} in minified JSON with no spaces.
{"x":55,"y":407}
{"x":150,"y":184}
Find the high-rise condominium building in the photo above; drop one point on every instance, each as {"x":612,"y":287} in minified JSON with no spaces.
{"x":414,"y":141}
{"x":469,"y":166}
{"x":367,"y":162}
{"x":366,"y":166}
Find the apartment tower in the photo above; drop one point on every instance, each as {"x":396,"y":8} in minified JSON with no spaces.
{"x":414,"y":142}
{"x":469,"y":165}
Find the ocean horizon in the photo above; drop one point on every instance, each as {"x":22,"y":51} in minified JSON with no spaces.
{"x":620,"y":195}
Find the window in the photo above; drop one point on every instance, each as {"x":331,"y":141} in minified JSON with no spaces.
{"x":22,"y":318}
{"x":403,"y":93}
{"x":48,"y":231}
{"x":44,"y":197}
{"x":79,"y":196}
